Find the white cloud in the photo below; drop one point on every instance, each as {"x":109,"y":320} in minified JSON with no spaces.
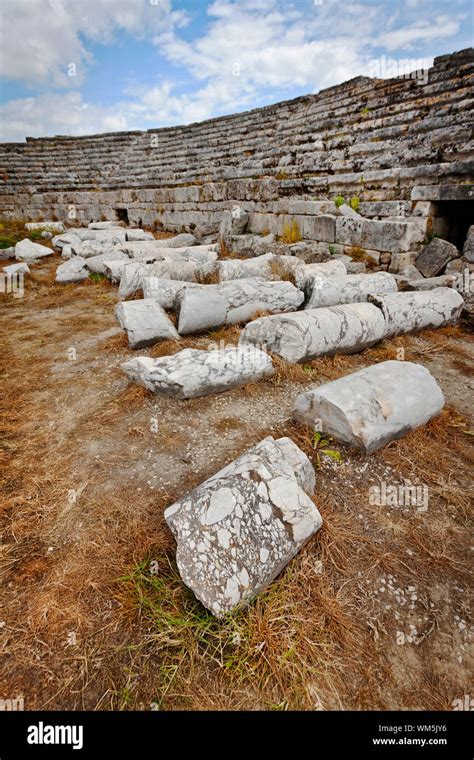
{"x":251,"y":51}
{"x":44,"y":36}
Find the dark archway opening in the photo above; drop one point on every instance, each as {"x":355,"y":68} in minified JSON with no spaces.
{"x":453,"y":219}
{"x":122,"y":214}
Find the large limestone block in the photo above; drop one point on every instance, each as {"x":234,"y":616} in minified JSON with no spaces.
{"x":145,"y":322}
{"x":103,"y":225}
{"x":132,"y":277}
{"x":207,"y":306}
{"x":374,"y":406}
{"x":73,"y":270}
{"x":153,"y":250}
{"x":135,"y":272}
{"x":378,"y":235}
{"x":56,"y":226}
{"x":136,"y":234}
{"x":335,"y":268}
{"x":237,"y":531}
{"x":269,"y":266}
{"x":98,"y":263}
{"x":331,"y":291}
{"x":416,"y":310}
{"x":308,"y":334}
{"x":434,"y":257}
{"x":163,"y":290}
{"x":26,"y":250}
{"x":184,"y":240}
{"x":191,"y":373}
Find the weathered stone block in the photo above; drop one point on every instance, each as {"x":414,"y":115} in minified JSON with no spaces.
{"x":192,"y":372}
{"x":145,"y":322}
{"x":330,"y":291}
{"x":236,"y":531}
{"x":374,"y":406}
{"x":308,"y":334}
{"x":434,"y":257}
{"x":417,"y":310}
{"x":201,"y":308}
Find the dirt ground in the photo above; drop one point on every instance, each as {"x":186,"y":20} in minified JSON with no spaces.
{"x":373,"y":613}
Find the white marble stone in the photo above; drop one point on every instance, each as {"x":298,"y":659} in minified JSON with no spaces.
{"x":331,"y":291}
{"x":192,"y":372}
{"x":52,"y":226}
{"x":374,"y":406}
{"x":99,"y":263}
{"x":206,"y":306}
{"x":237,"y":531}
{"x":308,"y":334}
{"x":333,"y":268}
{"x":26,"y":250}
{"x":163,"y":290}
{"x":73,"y":270}
{"x":417,"y":310}
{"x":145,"y":322}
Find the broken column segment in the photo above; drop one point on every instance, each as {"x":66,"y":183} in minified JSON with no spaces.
{"x":193,"y":372}
{"x":238,"y":530}
{"x":331,"y":291}
{"x":374,"y":406}
{"x":145,"y":322}
{"x":416,"y":310}
{"x":335,"y":268}
{"x":206,"y":306}
{"x":308,"y":334}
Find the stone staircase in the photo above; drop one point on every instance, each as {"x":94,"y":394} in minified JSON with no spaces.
{"x":396,"y":141}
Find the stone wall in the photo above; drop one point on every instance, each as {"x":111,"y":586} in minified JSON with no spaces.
{"x":403,"y":148}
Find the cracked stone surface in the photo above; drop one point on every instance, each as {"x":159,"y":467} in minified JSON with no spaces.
{"x":374,"y":406}
{"x":145,"y":322}
{"x":238,"y":530}
{"x":308,"y":334}
{"x":416,"y":310}
{"x":434,"y":257}
{"x":192,"y":372}
{"x":25,"y":250}
{"x":73,"y":270}
{"x":303,"y":277}
{"x":207,"y":306}
{"x":331,"y":291}
{"x":269,"y":266}
{"x":163,"y":290}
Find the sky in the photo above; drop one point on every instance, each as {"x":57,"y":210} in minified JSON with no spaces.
{"x":75,"y":67}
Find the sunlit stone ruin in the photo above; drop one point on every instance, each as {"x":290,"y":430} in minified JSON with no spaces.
{"x":317,"y":227}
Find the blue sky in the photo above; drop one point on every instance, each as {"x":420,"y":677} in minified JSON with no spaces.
{"x":86,"y":66}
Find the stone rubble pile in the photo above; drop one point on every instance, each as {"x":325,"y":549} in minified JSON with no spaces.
{"x":237,"y":530}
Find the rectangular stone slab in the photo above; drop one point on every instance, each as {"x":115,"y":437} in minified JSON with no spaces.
{"x":238,"y":530}
{"x":308,"y":334}
{"x":206,"y":306}
{"x":331,"y":291}
{"x":145,"y":322}
{"x":418,"y":310}
{"x":192,"y":372}
{"x":374,"y":406}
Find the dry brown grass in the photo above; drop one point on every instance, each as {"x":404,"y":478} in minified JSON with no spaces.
{"x":281,"y":272}
{"x":317,"y":638}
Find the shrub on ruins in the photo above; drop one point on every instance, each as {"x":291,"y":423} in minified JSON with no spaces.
{"x":339,"y":200}
{"x":291,"y":233}
{"x":354,"y":203}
